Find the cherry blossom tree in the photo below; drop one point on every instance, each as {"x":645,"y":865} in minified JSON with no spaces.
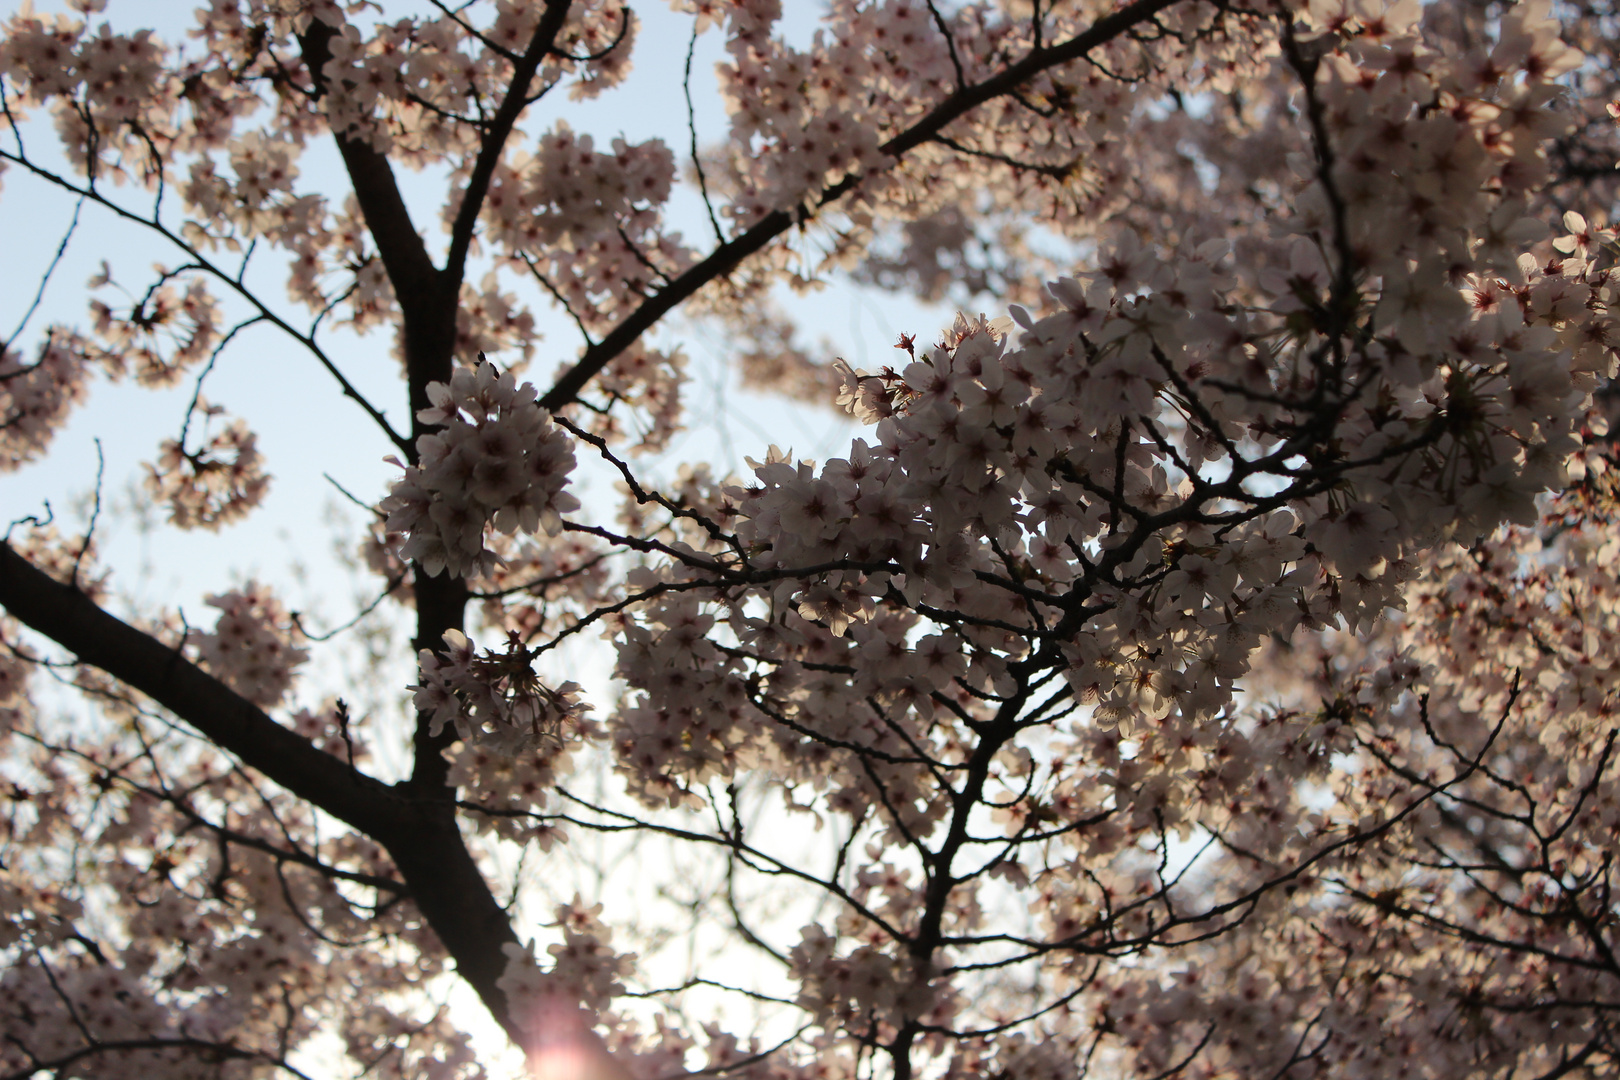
{"x":1205,"y":668}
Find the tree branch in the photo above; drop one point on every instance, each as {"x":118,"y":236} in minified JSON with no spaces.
{"x":499,"y":130}
{"x":421,"y":835}
{"x":404,"y":255}
{"x":726,"y":256}
{"x":71,"y":619}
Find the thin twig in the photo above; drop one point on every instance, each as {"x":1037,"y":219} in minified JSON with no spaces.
{"x":45,"y":278}
{"x":691,"y":126}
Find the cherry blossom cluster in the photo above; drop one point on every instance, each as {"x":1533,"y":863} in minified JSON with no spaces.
{"x":64,"y":556}
{"x":804,"y":120}
{"x":259,"y":200}
{"x":213,"y":961}
{"x":868,"y":983}
{"x":569,"y":191}
{"x":541,"y":585}
{"x":1088,"y":520}
{"x":402,"y":85}
{"x":648,"y":383}
{"x":1030,"y":446}
{"x":398,"y":84}
{"x":1481,"y":728}
{"x":815,"y":139}
{"x":36,"y":397}
{"x":372,"y":303}
{"x":509,"y":792}
{"x":495,"y":699}
{"x":492,"y":321}
{"x":749,"y":20}
{"x":53,"y":56}
{"x":379,"y":554}
{"x":588,"y":222}
{"x":498,"y":461}
{"x":585,"y":971}
{"x":112,"y":1005}
{"x":14,"y":675}
{"x":160,"y":337}
{"x":215,"y":485}
{"x":364,"y":74}
{"x":770,"y":358}
{"x":254,"y":646}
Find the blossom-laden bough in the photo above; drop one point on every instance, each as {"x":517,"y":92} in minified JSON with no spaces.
{"x":1185,"y":673}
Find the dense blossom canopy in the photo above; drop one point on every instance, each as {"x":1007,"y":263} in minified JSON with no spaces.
{"x":1205,"y":668}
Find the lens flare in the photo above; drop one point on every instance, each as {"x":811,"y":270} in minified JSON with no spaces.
{"x":564,"y":1047}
